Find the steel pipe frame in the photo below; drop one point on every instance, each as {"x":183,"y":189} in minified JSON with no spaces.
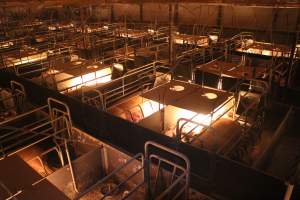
{"x":145,"y":168}
{"x":206,"y":127}
{"x":243,"y":36}
{"x":96,"y":60}
{"x":65,"y":116}
{"x":148,"y":68}
{"x":42,"y":59}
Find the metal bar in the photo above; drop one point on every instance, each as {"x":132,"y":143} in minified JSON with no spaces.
{"x":12,"y":196}
{"x":161,"y":196}
{"x":123,"y":182}
{"x":161,"y":159}
{"x":134,"y":158}
{"x":125,"y":87}
{"x":289,"y":192}
{"x":23,"y":115}
{"x":51,"y":106}
{"x":24,"y":128}
{"x":32,"y":144}
{"x":186,"y":169}
{"x":71,"y":168}
{"x":22,"y":134}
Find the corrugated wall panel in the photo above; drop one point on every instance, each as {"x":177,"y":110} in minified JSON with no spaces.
{"x":131,"y":11}
{"x":193,"y":13}
{"x":287,"y":19}
{"x":256,"y":18}
{"x":154,"y":11}
{"x":103,"y":13}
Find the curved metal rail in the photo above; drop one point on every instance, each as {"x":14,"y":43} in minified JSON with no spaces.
{"x":180,"y":175}
{"x":124,"y":85}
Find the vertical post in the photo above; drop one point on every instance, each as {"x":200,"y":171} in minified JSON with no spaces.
{"x":112,"y":14}
{"x":289,"y":192}
{"x":219,"y":18}
{"x":293,"y":51}
{"x":176,"y":15}
{"x":82,"y":20}
{"x":274,"y":20}
{"x":141,"y":11}
{"x":147,"y":176}
{"x":171,"y":48}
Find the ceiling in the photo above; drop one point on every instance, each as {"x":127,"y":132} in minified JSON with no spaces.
{"x":258,"y":3}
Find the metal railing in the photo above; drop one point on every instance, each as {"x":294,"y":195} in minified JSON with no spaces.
{"x":277,"y":69}
{"x":11,"y":195}
{"x":26,"y":65}
{"x":245,"y":40}
{"x":180,"y":176}
{"x":175,"y":180}
{"x":182,"y":122}
{"x":246,"y":125}
{"x":136,"y":80}
{"x":55,"y":124}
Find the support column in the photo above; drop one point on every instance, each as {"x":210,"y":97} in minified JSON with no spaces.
{"x":112,"y":13}
{"x":274,"y":20}
{"x":171,"y":46}
{"x":176,"y":15}
{"x":220,"y":15}
{"x":295,"y":40}
{"x":141,"y":12}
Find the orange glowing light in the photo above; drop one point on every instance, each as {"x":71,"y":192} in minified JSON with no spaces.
{"x":198,"y":121}
{"x":27,"y":59}
{"x":76,"y":82}
{"x":149,"y":107}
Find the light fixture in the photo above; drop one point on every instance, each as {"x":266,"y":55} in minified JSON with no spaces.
{"x":92,"y":67}
{"x":247,"y":42}
{"x":77,"y":62}
{"x":90,"y":79}
{"x":52,"y":71}
{"x":118,"y":66}
{"x":51,"y":28}
{"x":177,"y":88}
{"x":151,"y":31}
{"x":213,"y":38}
{"x":210,"y":95}
{"x":6,"y":44}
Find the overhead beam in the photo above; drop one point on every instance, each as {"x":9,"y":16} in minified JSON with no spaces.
{"x":253,"y":3}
